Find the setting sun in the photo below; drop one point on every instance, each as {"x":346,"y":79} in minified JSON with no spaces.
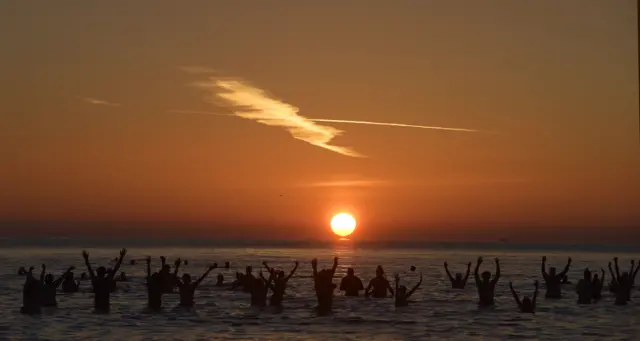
{"x":343,"y":224}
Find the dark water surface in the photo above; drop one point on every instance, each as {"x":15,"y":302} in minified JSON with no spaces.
{"x":437,"y":312}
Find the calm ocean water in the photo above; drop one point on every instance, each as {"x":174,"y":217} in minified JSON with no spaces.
{"x":437,"y":312}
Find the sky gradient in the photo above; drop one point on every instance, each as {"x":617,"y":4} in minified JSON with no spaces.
{"x":88,"y":136}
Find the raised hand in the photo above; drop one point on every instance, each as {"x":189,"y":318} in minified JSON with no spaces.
{"x":296,"y":262}
{"x":163,"y":258}
{"x":177,"y":262}
{"x":44,"y":266}
{"x":510,"y":284}
{"x":31,"y":268}
{"x":496,"y":260}
{"x":480,"y":260}
{"x":469,"y":265}
{"x":314,"y":262}
{"x":569,"y":260}
{"x":264,"y":263}
{"x":397,"y":276}
{"x":615,"y":259}
{"x":148,"y":259}
{"x":213,"y":266}
{"x":85,"y":254}
{"x":123,"y":252}
{"x":446,"y":264}
{"x":335,"y":260}
{"x":544,"y":259}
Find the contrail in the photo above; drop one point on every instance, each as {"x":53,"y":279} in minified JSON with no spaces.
{"x":388,"y":124}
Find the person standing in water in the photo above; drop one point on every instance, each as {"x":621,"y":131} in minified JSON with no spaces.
{"x":102,"y":283}
{"x":458,"y":282}
{"x":279,"y":284}
{"x":324,"y":286}
{"x":351,"y":284}
{"x":155,"y":288}
{"x":31,"y":294}
{"x":260,"y":289}
{"x":248,"y":280}
{"x":584,"y":288}
{"x":379,"y":285}
{"x":70,"y":284}
{"x":486,"y":286}
{"x":527,"y":305}
{"x":188,"y":288}
{"x":50,"y":287}
{"x":597,"y":284}
{"x":402,"y":296}
{"x":623,"y":292}
{"x":553,"y":280}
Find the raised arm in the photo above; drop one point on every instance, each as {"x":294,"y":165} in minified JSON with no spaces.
{"x":535,"y":294}
{"x":475,"y":272}
{"x":615,"y":262}
{"x":314,"y":266}
{"x":390,"y":288}
{"x":85,"y":255}
{"x":206,"y":273}
{"x":415,"y":287}
{"x":163,"y":261}
{"x":293,"y":271}
{"x":58,"y":281}
{"x":633,"y":263}
{"x":176,"y":266}
{"x":613,"y":276}
{"x":497,"y":276}
{"x":466,"y":277}
{"x":335,"y":266}
{"x":266,"y":266}
{"x":148,"y":267}
{"x":602,"y":279}
{"x":42,"y":273}
{"x":123,"y":252}
{"x":515,"y":295}
{"x":635,"y":273}
{"x":543,"y":268}
{"x":446,"y":268}
{"x":566,"y":268}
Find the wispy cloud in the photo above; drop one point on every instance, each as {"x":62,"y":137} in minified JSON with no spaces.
{"x":250,"y":102}
{"x":99,"y":101}
{"x":347,"y":183}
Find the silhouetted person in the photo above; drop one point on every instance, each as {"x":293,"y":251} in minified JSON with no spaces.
{"x":169,"y":279}
{"x":248,"y":280}
{"x":554,"y":288}
{"x":584,"y":288}
{"x":565,"y":280}
{"x":188,"y":288}
{"x":279,"y":284}
{"x":22,"y":271}
{"x":260,"y":289}
{"x":351,"y":284}
{"x":70,"y":284}
{"x":379,"y":285}
{"x":102,"y":283}
{"x":402,"y":296}
{"x":31,"y":294}
{"x":238,"y":282}
{"x":220,"y":280}
{"x":227,"y":265}
{"x":155,"y":288}
{"x":50,"y":287}
{"x":597,"y":284}
{"x":623,"y":292}
{"x":486,"y":286}
{"x":324,"y":286}
{"x":527,"y":305}
{"x":458,"y":282}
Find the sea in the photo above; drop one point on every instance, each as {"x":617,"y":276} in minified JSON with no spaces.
{"x":436,"y":312}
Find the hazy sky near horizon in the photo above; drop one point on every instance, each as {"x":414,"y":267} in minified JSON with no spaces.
{"x":87,"y":133}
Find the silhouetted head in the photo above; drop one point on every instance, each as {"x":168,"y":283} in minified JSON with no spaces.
{"x":402,"y":291}
{"x":280,"y":274}
{"x":379,"y":271}
{"x":48,"y":279}
{"x":596,"y":278}
{"x":155,"y":278}
{"x":350,"y":272}
{"x":486,"y":276}
{"x":587,"y":275}
{"x":69,"y":276}
{"x":552,"y":271}
{"x":101,"y":271}
{"x":527,"y":304}
{"x":249,"y":269}
{"x":186,"y":278}
{"x":238,"y":276}
{"x":458,"y":277}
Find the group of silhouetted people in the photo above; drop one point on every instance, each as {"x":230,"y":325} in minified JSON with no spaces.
{"x":42,"y":292}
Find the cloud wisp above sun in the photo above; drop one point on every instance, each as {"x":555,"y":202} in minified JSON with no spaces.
{"x":96,"y":101}
{"x":250,"y":102}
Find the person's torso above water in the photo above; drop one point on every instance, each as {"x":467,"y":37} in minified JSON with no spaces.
{"x":380,"y":287}
{"x":351,"y":285}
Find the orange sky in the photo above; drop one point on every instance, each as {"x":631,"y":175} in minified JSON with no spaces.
{"x":557,"y":80}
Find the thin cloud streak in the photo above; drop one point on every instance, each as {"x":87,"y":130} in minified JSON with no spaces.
{"x":252,"y":103}
{"x":348,"y":183}
{"x":99,"y":101}
{"x":388,"y":124}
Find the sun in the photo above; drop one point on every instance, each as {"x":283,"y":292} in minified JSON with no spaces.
{"x":343,"y":224}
